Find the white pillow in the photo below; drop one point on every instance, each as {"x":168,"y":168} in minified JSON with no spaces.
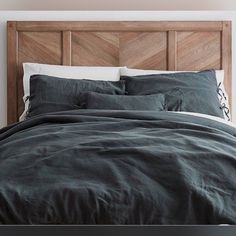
{"x":219,"y":78}
{"x":71,"y":72}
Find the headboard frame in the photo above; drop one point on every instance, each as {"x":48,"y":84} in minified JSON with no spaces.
{"x":164,"y":45}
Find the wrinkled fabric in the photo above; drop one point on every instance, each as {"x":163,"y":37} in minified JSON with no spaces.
{"x":68,"y":95}
{"x":184,"y":91}
{"x":154,"y":102}
{"x":117,"y":167}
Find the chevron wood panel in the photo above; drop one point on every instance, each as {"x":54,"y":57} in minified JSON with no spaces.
{"x":37,"y":47}
{"x":144,"y":50}
{"x":95,"y":48}
{"x":198,"y":50}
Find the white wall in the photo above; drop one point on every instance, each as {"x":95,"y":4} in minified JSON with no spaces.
{"x":100,"y":15}
{"x":118,"y":5}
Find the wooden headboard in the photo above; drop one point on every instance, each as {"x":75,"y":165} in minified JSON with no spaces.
{"x":164,"y":45}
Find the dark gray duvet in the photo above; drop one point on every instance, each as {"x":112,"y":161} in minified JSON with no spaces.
{"x":117,"y":167}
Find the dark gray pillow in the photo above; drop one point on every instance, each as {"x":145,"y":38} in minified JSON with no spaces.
{"x":186,"y":91}
{"x":155,"y":102}
{"x":51,"y":94}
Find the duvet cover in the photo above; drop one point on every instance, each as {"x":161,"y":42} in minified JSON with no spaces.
{"x":118,"y":167}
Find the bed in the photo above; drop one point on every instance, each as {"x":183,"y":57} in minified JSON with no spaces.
{"x":133,"y":164}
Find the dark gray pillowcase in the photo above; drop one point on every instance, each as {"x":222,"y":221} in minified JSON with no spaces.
{"x":52,"y":94}
{"x":155,"y":102}
{"x":186,"y":91}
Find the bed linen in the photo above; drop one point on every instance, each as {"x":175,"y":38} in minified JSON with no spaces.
{"x":118,"y":167}
{"x":106,"y":73}
{"x":214,"y":118}
{"x":53,"y":94}
{"x":222,"y":94}
{"x":154,"y":102}
{"x":186,"y":91}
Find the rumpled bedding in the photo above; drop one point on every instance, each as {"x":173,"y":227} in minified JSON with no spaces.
{"x":117,"y":167}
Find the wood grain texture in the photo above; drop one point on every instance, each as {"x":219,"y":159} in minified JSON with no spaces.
{"x":227,"y":58}
{"x":121,"y":26}
{"x":172,"y":45}
{"x":198,"y":50}
{"x":172,"y":50}
{"x":12,"y":55}
{"x":43,"y":47}
{"x":96,"y":48}
{"x":144,"y":50}
{"x":66,"y":48}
